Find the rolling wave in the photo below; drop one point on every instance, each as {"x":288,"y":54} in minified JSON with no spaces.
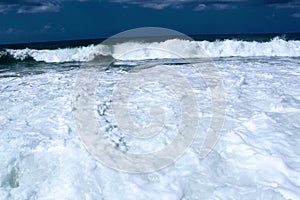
{"x":276,"y":47}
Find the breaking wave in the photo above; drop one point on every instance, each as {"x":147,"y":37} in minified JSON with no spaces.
{"x":276,"y":47}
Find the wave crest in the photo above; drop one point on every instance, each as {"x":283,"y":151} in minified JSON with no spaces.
{"x":143,"y":51}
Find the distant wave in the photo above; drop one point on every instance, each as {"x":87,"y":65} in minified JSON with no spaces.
{"x":143,"y":51}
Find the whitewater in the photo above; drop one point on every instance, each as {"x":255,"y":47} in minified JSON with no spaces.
{"x":188,"y":49}
{"x":256,"y":156}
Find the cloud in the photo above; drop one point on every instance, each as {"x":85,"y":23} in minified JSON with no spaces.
{"x":33,"y":6}
{"x":4,"y":8}
{"x":10,"y":31}
{"x":200,"y":5}
{"x":46,"y":27}
{"x":43,"y":7}
{"x":285,"y":4}
{"x":155,"y":4}
{"x":214,"y":6}
{"x":297,"y":15}
{"x":220,"y":6}
{"x":39,"y":6}
{"x":30,"y":6}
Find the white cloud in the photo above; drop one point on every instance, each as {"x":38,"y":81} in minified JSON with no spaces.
{"x":9,"y":31}
{"x":155,"y":4}
{"x":46,"y":27}
{"x":287,"y":4}
{"x":32,"y":6}
{"x":202,"y":4}
{"x":4,"y":8}
{"x":200,"y":7}
{"x":45,"y":7}
{"x":297,"y":15}
{"x":220,"y":6}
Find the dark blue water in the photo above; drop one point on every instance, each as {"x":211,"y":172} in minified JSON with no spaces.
{"x":76,"y":43}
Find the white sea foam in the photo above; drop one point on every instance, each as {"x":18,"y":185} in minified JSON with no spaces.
{"x":257,"y":156}
{"x":61,"y":55}
{"x":187,"y":49}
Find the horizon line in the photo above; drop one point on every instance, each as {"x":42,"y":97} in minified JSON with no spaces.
{"x":2,"y":45}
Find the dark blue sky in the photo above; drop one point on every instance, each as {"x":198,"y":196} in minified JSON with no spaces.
{"x":48,"y":20}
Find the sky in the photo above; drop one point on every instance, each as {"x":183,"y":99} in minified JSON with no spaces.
{"x":24,"y":21}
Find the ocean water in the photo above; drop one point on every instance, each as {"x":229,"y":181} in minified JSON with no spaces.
{"x":256,"y":156}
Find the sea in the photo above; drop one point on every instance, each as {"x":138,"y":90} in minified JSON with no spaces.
{"x":44,"y":152}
